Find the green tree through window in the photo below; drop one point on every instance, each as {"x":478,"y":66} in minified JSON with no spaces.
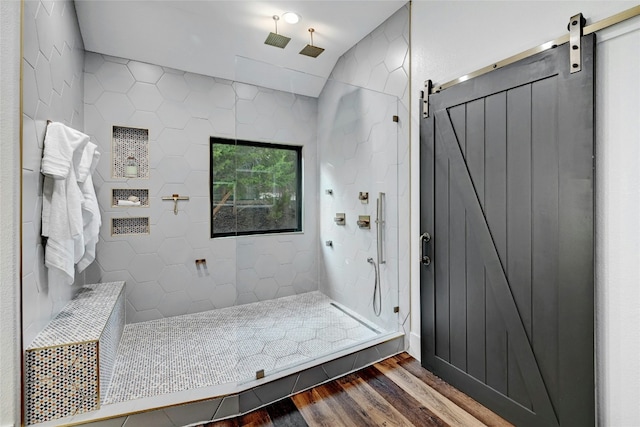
{"x":255,"y":187}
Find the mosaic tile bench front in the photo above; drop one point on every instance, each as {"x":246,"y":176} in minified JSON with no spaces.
{"x":71,"y":360}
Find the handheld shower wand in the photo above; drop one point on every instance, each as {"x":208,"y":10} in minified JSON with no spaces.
{"x":380,"y":226}
{"x":377,"y":291}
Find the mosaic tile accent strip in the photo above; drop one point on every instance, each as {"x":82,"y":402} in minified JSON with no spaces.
{"x":61,"y":382}
{"x":62,"y":363}
{"x":83,"y":318}
{"x":108,"y":344}
{"x":127,"y":142}
{"x":124,"y":193}
{"x":130,"y":225}
{"x":229,"y":345}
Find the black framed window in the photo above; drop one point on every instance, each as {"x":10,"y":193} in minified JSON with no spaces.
{"x":256,"y":187}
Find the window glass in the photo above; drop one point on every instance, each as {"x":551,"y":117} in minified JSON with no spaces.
{"x":255,"y":187}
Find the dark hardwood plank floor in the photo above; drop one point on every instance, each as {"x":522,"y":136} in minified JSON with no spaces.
{"x":394,"y":392}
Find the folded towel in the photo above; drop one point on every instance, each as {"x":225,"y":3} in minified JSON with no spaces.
{"x":128,"y":203}
{"x":90,"y":211}
{"x":84,"y":166}
{"x":62,"y":198}
{"x":60,"y":144}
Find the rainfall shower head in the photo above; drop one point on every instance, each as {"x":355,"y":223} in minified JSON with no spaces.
{"x":275,"y":39}
{"x":310,"y":49}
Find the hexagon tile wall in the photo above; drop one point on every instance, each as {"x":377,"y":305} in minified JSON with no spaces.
{"x":53,"y":81}
{"x":181,"y":111}
{"x":358,"y":152}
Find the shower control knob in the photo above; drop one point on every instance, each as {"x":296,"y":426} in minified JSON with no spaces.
{"x":425,"y":260}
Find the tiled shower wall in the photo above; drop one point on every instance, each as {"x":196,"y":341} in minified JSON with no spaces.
{"x":357,"y":145}
{"x":379,"y":63}
{"x":182,"y":110}
{"x":53,"y":85}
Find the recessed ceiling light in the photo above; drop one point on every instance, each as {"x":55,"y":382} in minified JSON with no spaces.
{"x":291,"y":17}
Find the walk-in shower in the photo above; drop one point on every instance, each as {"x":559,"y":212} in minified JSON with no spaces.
{"x":294,"y":294}
{"x":216,"y":319}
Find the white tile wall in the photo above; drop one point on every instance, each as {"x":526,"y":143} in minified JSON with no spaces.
{"x":362,"y":150}
{"x":182,"y":110}
{"x":53,"y":86}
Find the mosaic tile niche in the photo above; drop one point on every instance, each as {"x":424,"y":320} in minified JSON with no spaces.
{"x":130,"y":142}
{"x":69,"y":364}
{"x":129,"y":226}
{"x":118,"y":194}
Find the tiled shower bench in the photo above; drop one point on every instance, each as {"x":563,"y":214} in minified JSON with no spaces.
{"x":71,"y":360}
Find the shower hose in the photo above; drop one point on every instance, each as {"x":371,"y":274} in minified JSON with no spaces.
{"x":377,"y":297}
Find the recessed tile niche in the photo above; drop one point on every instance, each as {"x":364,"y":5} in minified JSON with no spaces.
{"x":129,"y":226}
{"x":130,"y":152}
{"x":118,"y":195}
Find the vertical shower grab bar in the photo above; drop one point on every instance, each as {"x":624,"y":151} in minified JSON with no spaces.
{"x":380,"y":225}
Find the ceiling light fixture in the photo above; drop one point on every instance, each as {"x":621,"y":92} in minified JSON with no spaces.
{"x":291,"y":17}
{"x":275,"y":39}
{"x":310,"y":49}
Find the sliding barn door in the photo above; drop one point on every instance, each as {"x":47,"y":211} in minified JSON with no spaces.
{"x":507,"y":199}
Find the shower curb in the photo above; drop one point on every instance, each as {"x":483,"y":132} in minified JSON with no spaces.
{"x":256,"y":394}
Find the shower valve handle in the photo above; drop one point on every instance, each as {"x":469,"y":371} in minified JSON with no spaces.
{"x":424,"y":238}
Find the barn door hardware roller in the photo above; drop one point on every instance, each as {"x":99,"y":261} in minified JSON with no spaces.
{"x":428,"y":85}
{"x":576,"y":25}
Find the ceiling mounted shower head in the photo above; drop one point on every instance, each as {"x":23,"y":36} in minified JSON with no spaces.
{"x":310,"y":49}
{"x":275,"y":39}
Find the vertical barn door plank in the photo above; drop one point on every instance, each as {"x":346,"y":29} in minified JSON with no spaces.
{"x":441,"y":253}
{"x":576,"y":248}
{"x":457,"y":282}
{"x":544,"y":131}
{"x":475,"y":154}
{"x":475,"y":286}
{"x":494,"y":207}
{"x":457,"y":259}
{"x":518,"y":152}
{"x":427,"y":224}
{"x":519,"y":199}
{"x":458,"y":116}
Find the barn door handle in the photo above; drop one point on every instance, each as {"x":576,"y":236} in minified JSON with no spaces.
{"x":424,"y":238}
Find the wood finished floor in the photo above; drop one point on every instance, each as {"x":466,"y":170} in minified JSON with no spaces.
{"x":394,"y":392}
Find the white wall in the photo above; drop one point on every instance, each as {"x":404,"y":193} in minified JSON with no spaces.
{"x":53,"y":86}
{"x":9,"y":213}
{"x":450,"y":39}
{"x":618,"y":224}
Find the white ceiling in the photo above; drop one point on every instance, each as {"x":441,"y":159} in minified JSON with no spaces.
{"x":226,"y":38}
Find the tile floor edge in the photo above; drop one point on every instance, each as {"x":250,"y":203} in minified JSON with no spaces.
{"x":240,"y":388}
{"x":239,"y":414}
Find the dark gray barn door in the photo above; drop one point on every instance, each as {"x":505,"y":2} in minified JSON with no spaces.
{"x":507,"y":197}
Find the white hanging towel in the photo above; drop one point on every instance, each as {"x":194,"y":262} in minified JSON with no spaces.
{"x":62,"y":198}
{"x":90,"y":210}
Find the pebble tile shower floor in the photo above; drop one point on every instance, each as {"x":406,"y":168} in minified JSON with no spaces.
{"x":228,"y":345}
